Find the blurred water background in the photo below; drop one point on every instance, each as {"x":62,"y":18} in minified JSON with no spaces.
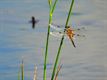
{"x":19,"y":41}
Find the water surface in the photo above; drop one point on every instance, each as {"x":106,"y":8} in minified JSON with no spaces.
{"x":19,"y":41}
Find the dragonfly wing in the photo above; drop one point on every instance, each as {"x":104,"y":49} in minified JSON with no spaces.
{"x":79,"y":35}
{"x":59,"y":35}
{"x":56,"y":34}
{"x":80,"y":29}
{"x":56,"y":27}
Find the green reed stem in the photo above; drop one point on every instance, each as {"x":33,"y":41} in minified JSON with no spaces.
{"x":50,"y":2}
{"x":69,"y":14}
{"x":52,"y":8}
{"x":22,"y":71}
{"x":60,"y":46}
{"x":19,"y":75}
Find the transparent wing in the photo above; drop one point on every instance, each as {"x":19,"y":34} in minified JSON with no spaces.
{"x":56,"y":27}
{"x":56,"y":34}
{"x":58,"y":31}
{"x":61,"y":28}
{"x":59,"y":35}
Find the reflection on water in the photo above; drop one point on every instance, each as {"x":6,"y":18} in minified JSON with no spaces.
{"x":18,"y":40}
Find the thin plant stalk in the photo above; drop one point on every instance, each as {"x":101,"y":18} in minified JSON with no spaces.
{"x":22,"y":71}
{"x":19,"y":75}
{"x":50,"y":2}
{"x":35,"y":73}
{"x":61,"y":43}
{"x":52,"y":8}
{"x":58,"y":70}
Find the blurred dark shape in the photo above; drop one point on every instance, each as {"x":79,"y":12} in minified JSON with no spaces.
{"x":80,"y":29}
{"x":34,"y":22}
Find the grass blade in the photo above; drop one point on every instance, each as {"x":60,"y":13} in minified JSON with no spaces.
{"x":53,"y":8}
{"x":60,"y":46}
{"x":58,"y":70}
{"x":19,"y":75}
{"x":22,"y":71}
{"x":47,"y":40}
{"x":69,"y":14}
{"x":50,"y":2}
{"x":35,"y":73}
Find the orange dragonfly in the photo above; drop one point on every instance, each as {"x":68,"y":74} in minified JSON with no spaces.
{"x":68,"y":31}
{"x":70,"y":34}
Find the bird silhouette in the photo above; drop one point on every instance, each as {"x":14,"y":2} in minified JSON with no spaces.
{"x":33,"y":21}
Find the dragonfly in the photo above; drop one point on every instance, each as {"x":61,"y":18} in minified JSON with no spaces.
{"x":69,"y":32}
